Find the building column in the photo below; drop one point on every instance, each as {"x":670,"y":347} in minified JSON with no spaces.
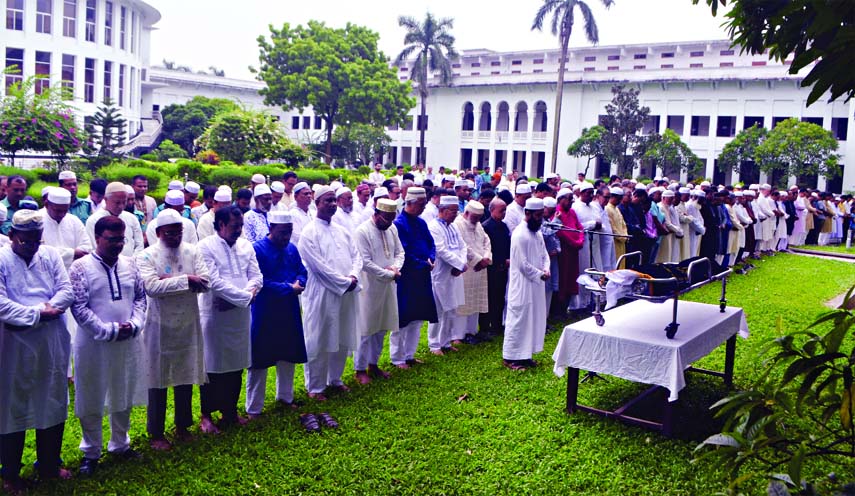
{"x":491,"y":160}
{"x":529,"y":155}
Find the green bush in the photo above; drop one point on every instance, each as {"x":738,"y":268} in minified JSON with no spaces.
{"x":151,"y":157}
{"x":234,"y":177}
{"x":193,"y":171}
{"x":209,"y":157}
{"x":313,"y":176}
{"x":275,"y":172}
{"x":30,"y":175}
{"x":124,"y":174}
{"x":364,"y":170}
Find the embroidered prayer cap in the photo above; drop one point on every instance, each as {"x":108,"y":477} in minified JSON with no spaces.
{"x":449,"y":179}
{"x":67,"y":175}
{"x":550,"y":175}
{"x":258,"y":179}
{"x":342,"y":190}
{"x":27,"y":220}
{"x":59,"y":196}
{"x":685,"y":191}
{"x":174,"y":198}
{"x":225,"y":187}
{"x":192,"y":187}
{"x":523,"y":189}
{"x":750,"y":193}
{"x":616,"y":191}
{"x":280,"y":217}
{"x":706,"y":184}
{"x":129,"y":189}
{"x":534,"y":204}
{"x":564,"y":192}
{"x":700,"y":193}
{"x":641,"y":186}
{"x":474,"y":207}
{"x":114,"y":187}
{"x":668,"y":194}
{"x":299,"y":186}
{"x":261,"y":189}
{"x":765,"y":186}
{"x":549,"y":202}
{"x":415,"y":193}
{"x":754,"y":187}
{"x":167,"y":217}
{"x":316,"y":187}
{"x":447,"y":201}
{"x":585,"y":186}
{"x":381,"y":192}
{"x":46,"y":190}
{"x":222,"y":196}
{"x":738,"y":194}
{"x":335,"y":185}
{"x":323,"y":190}
{"x":175,"y":184}
{"x":794,"y":187}
{"x":277,"y":187}
{"x":460,"y":183}
{"x":386,"y":205}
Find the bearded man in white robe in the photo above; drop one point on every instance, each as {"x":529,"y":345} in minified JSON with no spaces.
{"x":382,"y":258}
{"x":478,"y":257}
{"x":109,"y":305}
{"x":590,"y":255}
{"x":330,"y":307}
{"x":205,"y":227}
{"x":448,"y":289}
{"x":525,"y":323}
{"x":115,"y":201}
{"x":345,"y":217}
{"x":174,"y":200}
{"x":301,"y":213}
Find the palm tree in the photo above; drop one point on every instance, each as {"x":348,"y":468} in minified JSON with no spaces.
{"x":433,"y":45}
{"x":562,"y":25}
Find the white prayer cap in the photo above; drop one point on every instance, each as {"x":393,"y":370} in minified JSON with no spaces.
{"x":474,"y":207}
{"x":192,"y":187}
{"x":668,"y":194}
{"x":167,"y":217}
{"x":381,"y":191}
{"x":616,"y":191}
{"x":814,"y":195}
{"x":27,"y":220}
{"x":342,"y":190}
{"x":585,"y":186}
{"x":738,"y":194}
{"x":749,"y":193}
{"x":261,"y":189}
{"x":684,"y":191}
{"x":460,"y":183}
{"x":534,"y":204}
{"x":415,"y":193}
{"x":316,"y":187}
{"x":175,"y":184}
{"x":674,"y":186}
{"x":657,"y":189}
{"x":46,"y":190}
{"x":225,"y":187}
{"x":765,"y":186}
{"x":700,"y":193}
{"x":470,"y":183}
{"x":277,"y":187}
{"x":447,"y":201}
{"x":563,"y":192}
{"x":657,"y":178}
{"x":523,"y":189}
{"x":174,"y":197}
{"x":279,"y":217}
{"x":3,"y":212}
{"x":449,"y":178}
{"x":67,"y":174}
{"x":549,"y":202}
{"x":129,"y":189}
{"x":258,"y":179}
{"x":387,"y":205}
{"x":335,"y":185}
{"x":576,"y":188}
{"x":299,"y":186}
{"x":114,"y":187}
{"x":222,"y":196}
{"x":706,"y":184}
{"x":321,"y":191}
{"x":550,"y":175}
{"x":566,"y":184}
{"x":59,"y":196}
{"x":665,"y":178}
{"x":641,"y":186}
{"x":793,"y":187}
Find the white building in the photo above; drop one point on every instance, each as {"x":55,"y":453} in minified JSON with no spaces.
{"x":497,"y":113}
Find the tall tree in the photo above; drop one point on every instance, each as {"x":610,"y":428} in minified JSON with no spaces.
{"x":183,"y":124}
{"x":107,"y":128}
{"x":563,"y":12}
{"x":742,"y":148}
{"x":340,"y":72}
{"x":589,"y":145}
{"x":433,"y":45}
{"x":795,"y":148}
{"x":250,"y":136}
{"x":667,"y":151}
{"x":361,"y":141}
{"x":623,"y":120}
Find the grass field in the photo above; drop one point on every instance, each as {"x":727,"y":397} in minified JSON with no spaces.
{"x":463,"y":424}
{"x":831,"y":249}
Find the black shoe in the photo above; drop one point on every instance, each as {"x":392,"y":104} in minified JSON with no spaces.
{"x":88,"y":467}
{"x":484,"y":337}
{"x":128,"y":455}
{"x":471,"y":339}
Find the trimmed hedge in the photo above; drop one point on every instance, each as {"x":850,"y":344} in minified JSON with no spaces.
{"x":234,"y":177}
{"x":122,"y":173}
{"x":29,"y":175}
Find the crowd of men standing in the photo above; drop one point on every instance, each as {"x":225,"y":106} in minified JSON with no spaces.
{"x":132,"y":298}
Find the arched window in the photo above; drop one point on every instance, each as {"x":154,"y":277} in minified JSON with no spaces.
{"x":486,"y":120}
{"x":468,"y":117}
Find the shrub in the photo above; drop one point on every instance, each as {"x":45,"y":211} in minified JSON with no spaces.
{"x":151,"y":157}
{"x":364,"y":170}
{"x":192,"y":170}
{"x":275,"y":172}
{"x":209,"y":157}
{"x":168,"y":150}
{"x":312,"y":176}
{"x":234,"y":177}
{"x":388,"y":166}
{"x":124,"y":174}
{"x":29,"y":175}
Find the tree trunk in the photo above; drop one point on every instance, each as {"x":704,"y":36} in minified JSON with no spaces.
{"x":421,"y":157}
{"x":328,"y":148}
{"x":559,"y":96}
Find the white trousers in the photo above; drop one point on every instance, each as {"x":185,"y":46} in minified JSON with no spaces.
{"x":369,"y":350}
{"x":325,"y":370}
{"x":256,"y":386}
{"x":823,"y":239}
{"x":441,"y":333}
{"x":463,"y":325}
{"x":404,"y":342}
{"x":91,"y":425}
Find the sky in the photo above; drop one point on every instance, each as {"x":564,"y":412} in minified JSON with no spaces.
{"x":223,"y":33}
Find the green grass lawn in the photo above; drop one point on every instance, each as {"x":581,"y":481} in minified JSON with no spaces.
{"x":463,"y":424}
{"x":832,"y":249}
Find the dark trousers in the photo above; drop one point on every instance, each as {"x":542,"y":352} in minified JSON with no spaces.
{"x":182,"y":396}
{"x":221,"y":393}
{"x":497,"y":282}
{"x":48,"y":450}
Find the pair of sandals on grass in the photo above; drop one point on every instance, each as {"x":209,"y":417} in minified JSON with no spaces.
{"x":519,"y":364}
{"x":312,"y":422}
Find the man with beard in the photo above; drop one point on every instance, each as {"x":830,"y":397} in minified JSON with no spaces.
{"x":525,"y":325}
{"x":447,"y":284}
{"x":115,"y":200}
{"x":345,"y":217}
{"x":301,"y":213}
{"x":497,"y":272}
{"x":78,"y":207}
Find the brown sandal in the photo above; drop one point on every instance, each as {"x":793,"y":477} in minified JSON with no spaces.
{"x":310,"y":422}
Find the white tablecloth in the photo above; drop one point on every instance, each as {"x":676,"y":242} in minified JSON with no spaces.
{"x":632,"y":343}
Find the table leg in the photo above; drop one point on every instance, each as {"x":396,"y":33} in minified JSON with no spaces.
{"x":572,"y":388}
{"x":729,"y":357}
{"x":667,"y":418}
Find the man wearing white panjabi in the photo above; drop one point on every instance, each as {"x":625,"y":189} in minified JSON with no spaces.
{"x":255,"y":223}
{"x":382,"y":258}
{"x":115,"y":201}
{"x":344,"y":216}
{"x":173,"y":273}
{"x":515,"y":213}
{"x":222,"y":199}
{"x":525,"y":322}
{"x":607,"y":243}
{"x":330,"y":307}
{"x":448,"y":288}
{"x":174,"y":200}
{"x":277,"y":192}
{"x":301,"y":214}
{"x":34,"y":347}
{"x":478,"y":257}
{"x":589,"y":255}
{"x":109,"y":305}
{"x":769,"y":222}
{"x":225,"y":314}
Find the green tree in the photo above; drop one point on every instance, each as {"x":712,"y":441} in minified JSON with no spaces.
{"x":743,"y":148}
{"x":107,"y":129}
{"x":249,"y":136}
{"x":361,"y":141}
{"x":563,"y":16}
{"x":38,"y":122}
{"x":667,"y":151}
{"x":624,"y":119}
{"x":432,"y":43}
{"x":167,"y":150}
{"x":340,"y":73}
{"x":183,"y":124}
{"x":818,"y":35}
{"x":589,"y":145}
{"x":795,"y":148}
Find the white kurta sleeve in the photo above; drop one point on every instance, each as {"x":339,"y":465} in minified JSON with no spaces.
{"x":12,"y":312}
{"x":136,"y":230}
{"x":138,"y":315}
{"x":363,"y":243}
{"x":86,"y":319}
{"x":399,"y":249}
{"x":253,"y":272}
{"x":63,"y":296}
{"x":155,"y":287}
{"x":443,"y":252}
{"x":221,"y":287}
{"x":331,"y":280}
